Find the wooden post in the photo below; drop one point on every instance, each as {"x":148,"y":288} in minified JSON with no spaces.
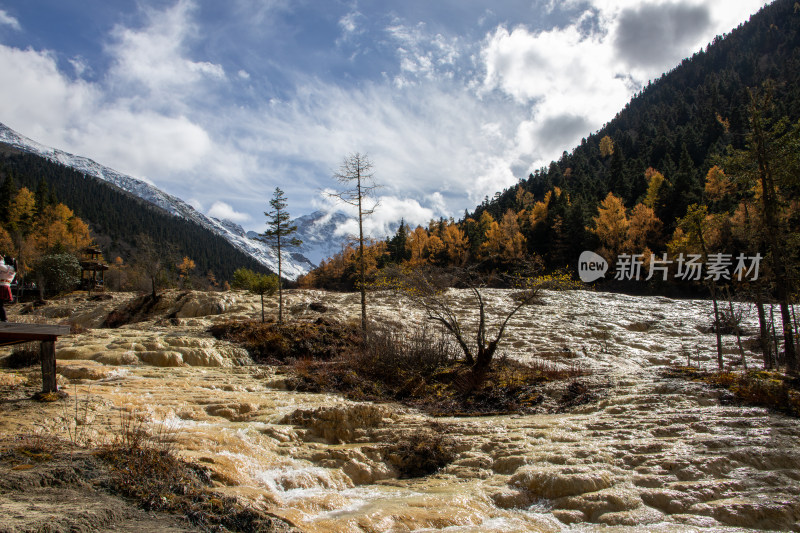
{"x":48,"y":352}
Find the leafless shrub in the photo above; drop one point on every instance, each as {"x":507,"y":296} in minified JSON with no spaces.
{"x":422,"y":452}
{"x":23,"y":355}
{"x":133,"y":433}
{"x":75,"y":419}
{"x":426,"y":349}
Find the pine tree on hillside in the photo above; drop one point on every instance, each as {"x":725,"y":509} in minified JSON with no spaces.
{"x":7,"y":192}
{"x":279,"y":236}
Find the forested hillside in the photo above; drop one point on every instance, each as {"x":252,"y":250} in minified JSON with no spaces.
{"x":117,"y":218}
{"x":680,"y":125}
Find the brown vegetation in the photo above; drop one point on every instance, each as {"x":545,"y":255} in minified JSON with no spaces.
{"x":275,"y":343}
{"x":422,"y":369}
{"x":138,"y":465}
{"x":774,"y":390}
{"x":421,"y":453}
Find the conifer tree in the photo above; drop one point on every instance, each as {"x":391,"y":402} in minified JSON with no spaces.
{"x":7,"y":192}
{"x":398,"y":245}
{"x":279,"y":235}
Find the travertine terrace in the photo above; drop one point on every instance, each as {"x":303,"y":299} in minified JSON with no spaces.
{"x":654,"y":454}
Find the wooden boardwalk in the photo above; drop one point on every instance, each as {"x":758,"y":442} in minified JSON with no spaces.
{"x":46,"y":334}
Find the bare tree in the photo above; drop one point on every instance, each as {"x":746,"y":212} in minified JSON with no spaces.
{"x":427,"y":288}
{"x":279,"y":236}
{"x":356,"y":174}
{"x":153,"y":258}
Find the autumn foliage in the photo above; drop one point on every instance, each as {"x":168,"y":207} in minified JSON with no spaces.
{"x":33,"y":228}
{"x":496,"y":243}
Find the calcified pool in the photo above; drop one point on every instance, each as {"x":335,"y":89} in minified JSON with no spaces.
{"x":654,"y":454}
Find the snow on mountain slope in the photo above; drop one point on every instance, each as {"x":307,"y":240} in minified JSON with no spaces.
{"x":294,"y":264}
{"x":318,"y":233}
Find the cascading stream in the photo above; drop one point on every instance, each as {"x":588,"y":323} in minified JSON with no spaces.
{"x":654,"y":454}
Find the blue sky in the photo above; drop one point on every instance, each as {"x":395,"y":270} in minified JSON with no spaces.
{"x":220,"y":102}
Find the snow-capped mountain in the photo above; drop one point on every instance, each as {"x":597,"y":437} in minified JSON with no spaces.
{"x":294,"y":264}
{"x":318,"y":233}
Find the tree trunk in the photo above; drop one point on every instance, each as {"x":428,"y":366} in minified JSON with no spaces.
{"x":280,"y":289}
{"x":788,"y":336}
{"x":713,"y":299}
{"x":763,"y":332}
{"x":774,"y":334}
{"x":48,"y":354}
{"x":774,"y":238}
{"x":738,"y":333}
{"x":485,"y":355}
{"x":716,"y":325}
{"x":361,"y":261}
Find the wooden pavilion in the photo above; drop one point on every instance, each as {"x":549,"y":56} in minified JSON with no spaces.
{"x":92,"y":270}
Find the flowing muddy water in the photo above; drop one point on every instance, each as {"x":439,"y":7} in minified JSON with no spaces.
{"x":654,"y":454}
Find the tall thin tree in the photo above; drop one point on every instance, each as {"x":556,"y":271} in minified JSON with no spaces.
{"x":279,"y":235}
{"x":765,"y":147}
{"x":356,"y":173}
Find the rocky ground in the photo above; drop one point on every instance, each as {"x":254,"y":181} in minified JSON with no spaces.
{"x":655,"y":454}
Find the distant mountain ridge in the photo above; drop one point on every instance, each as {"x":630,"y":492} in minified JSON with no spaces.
{"x":294,"y":264}
{"x":318,"y":233}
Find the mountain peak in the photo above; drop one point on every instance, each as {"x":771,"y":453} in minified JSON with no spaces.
{"x":293,"y":265}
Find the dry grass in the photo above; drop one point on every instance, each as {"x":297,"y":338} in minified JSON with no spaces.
{"x":771,"y":389}
{"x":276,"y":344}
{"x":422,"y":369}
{"x":421,"y":453}
{"x":23,"y":355}
{"x":146,"y":468}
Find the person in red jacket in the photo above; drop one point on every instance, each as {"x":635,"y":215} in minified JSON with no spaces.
{"x":7,"y":274}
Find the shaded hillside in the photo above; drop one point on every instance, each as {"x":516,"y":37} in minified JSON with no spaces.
{"x":116,"y":217}
{"x":678,"y":125}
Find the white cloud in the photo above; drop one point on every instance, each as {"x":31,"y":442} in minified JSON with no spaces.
{"x":652,"y":35}
{"x":575,"y":79}
{"x":243,"y":74}
{"x":422,"y":139}
{"x":224,"y":211}
{"x":46,"y":105}
{"x":8,"y":20}
{"x":349,"y":23}
{"x":154,"y":57}
{"x":79,"y":65}
{"x":385,"y":218}
{"x":422,"y":55}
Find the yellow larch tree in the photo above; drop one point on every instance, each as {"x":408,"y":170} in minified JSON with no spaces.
{"x":504,"y":241}
{"x":417,"y":243}
{"x":58,"y":228}
{"x":654,"y":180}
{"x":644,"y":230}
{"x":606,"y":146}
{"x":718,"y":186}
{"x":611,"y":226}
{"x":455,"y":244}
{"x":6,"y":244}
{"x":434,"y":248}
{"x":185,"y":268}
